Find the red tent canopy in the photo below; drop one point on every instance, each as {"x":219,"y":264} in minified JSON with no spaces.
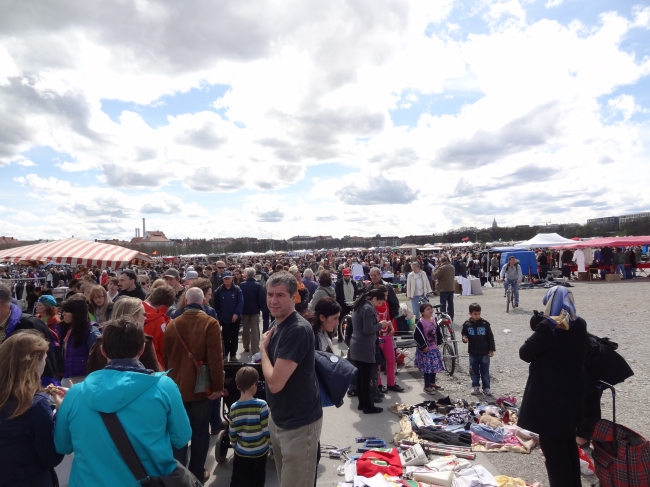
{"x":608,"y":242}
{"x":75,"y":252}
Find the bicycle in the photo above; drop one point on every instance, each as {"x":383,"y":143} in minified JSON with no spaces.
{"x":449,"y":346}
{"x":510,"y":298}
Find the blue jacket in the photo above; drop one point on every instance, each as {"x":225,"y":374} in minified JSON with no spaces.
{"x":254,"y":296}
{"x":76,"y":358}
{"x":27,"y":445}
{"x":310,"y":285}
{"x":228,"y":302}
{"x":150,"y":408}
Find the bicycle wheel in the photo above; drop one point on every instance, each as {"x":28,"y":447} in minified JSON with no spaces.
{"x":452,"y":341}
{"x":508,"y":301}
{"x":448,"y":358}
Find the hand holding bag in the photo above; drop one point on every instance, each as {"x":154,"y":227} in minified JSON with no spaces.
{"x":203,"y":381}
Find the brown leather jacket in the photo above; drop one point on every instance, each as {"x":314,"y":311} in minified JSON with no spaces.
{"x":445,"y":275}
{"x":202,"y":335}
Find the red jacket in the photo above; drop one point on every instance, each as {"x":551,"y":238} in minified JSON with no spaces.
{"x":154,"y":324}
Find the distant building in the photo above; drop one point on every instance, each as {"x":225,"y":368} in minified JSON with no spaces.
{"x":153,"y":239}
{"x":608,"y":221}
{"x":494,"y":224}
{"x":630,"y":218}
{"x":8,"y":240}
{"x":302,"y":240}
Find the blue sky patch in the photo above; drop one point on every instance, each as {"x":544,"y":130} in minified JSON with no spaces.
{"x":588,"y":13}
{"x":641,"y":93}
{"x":155,"y":114}
{"x":447,"y":103}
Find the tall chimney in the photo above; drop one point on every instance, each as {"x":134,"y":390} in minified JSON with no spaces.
{"x":136,"y":232}
{"x":143,"y":228}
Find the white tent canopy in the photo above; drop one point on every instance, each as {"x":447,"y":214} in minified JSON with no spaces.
{"x":544,"y":240}
{"x":464,"y":244}
{"x":269,"y":252}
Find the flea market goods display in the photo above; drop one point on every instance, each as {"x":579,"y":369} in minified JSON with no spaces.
{"x":437,"y":444}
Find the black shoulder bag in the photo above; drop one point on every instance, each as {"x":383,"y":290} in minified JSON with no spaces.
{"x":180,"y":477}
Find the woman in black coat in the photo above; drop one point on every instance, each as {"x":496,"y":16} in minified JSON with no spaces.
{"x":555,"y":388}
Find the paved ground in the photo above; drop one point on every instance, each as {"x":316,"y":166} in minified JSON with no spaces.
{"x":619,"y":310}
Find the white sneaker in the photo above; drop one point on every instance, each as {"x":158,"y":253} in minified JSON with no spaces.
{"x":475,"y":391}
{"x":487,"y":392}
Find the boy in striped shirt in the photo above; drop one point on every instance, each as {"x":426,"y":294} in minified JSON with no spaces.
{"x":249,"y":432}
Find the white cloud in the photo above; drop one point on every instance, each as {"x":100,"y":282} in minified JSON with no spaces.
{"x":313,"y":83}
{"x":553,"y":3}
{"x":624,"y":104}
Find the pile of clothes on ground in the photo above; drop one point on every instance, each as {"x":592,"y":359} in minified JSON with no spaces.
{"x":419,"y":465}
{"x":436,"y":446}
{"x":482,"y":427}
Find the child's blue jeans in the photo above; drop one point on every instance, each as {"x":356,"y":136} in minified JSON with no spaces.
{"x":479,"y":368}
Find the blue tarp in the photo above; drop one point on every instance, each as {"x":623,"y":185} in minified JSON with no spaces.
{"x":526,"y":259}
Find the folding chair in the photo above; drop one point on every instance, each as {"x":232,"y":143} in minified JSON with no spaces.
{"x":404,"y":341}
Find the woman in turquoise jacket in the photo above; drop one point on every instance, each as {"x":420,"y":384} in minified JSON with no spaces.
{"x":148,"y":405}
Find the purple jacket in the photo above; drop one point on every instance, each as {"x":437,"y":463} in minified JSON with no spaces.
{"x":76,"y":358}
{"x":21,"y":321}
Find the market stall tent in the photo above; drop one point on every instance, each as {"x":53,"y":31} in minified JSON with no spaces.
{"x":526,"y":258}
{"x":544,"y":240}
{"x":607,"y":242}
{"x":76,"y":252}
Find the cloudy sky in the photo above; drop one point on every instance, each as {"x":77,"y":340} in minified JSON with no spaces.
{"x":274,"y":118}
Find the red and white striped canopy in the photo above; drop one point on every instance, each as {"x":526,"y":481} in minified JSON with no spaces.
{"x":75,"y":252}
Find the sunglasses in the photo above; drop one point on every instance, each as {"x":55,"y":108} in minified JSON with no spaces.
{"x":220,"y":267}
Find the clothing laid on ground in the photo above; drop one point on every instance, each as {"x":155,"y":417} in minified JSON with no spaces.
{"x":436,"y":436}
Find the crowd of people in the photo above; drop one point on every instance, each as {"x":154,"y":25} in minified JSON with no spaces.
{"x":100,"y":351}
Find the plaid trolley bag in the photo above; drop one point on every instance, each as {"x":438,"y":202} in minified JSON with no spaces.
{"x":621,"y":456}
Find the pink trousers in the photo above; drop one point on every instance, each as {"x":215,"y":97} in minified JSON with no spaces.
{"x":389,"y":353}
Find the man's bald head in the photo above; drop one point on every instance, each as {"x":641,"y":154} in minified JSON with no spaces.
{"x":194,"y":295}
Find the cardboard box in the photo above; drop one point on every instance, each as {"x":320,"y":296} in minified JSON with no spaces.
{"x":613,"y":277}
{"x":458,"y":289}
{"x":583,"y":276}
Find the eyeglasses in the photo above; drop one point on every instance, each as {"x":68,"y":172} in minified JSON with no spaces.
{"x":221,"y":268}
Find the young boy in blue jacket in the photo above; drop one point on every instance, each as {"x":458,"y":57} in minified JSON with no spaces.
{"x":477,"y":333}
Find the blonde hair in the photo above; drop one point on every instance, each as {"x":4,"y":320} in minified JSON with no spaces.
{"x":98,"y":313}
{"x":126,"y":307}
{"x":20,"y":356}
{"x":157,"y":283}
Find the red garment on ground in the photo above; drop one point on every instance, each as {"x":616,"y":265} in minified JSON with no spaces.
{"x":155,"y":322}
{"x":380,"y":460}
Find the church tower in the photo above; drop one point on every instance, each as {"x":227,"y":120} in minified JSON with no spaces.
{"x":494,"y":224}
